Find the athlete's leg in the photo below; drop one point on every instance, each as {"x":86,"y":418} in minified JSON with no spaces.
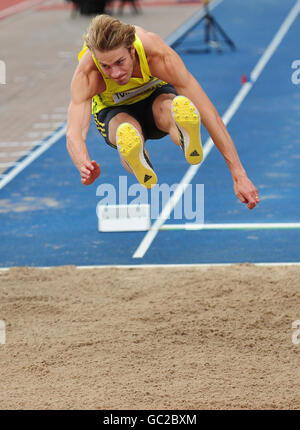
{"x":178,"y":116}
{"x":162,"y":114}
{"x":112,"y":132}
{"x":125,"y":132}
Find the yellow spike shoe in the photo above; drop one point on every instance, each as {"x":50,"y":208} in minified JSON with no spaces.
{"x":187,"y":119}
{"x":130,"y":147}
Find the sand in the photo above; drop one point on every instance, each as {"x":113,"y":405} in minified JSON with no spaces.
{"x":163,"y":338}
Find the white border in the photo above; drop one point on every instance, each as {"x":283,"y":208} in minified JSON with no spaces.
{"x":233,"y":226}
{"x":156,"y":266}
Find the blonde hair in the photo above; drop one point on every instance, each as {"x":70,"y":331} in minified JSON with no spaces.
{"x":106,"y":33}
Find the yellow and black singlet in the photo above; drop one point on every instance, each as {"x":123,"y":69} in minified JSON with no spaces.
{"x":136,"y":90}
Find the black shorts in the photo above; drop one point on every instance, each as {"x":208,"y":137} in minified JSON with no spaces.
{"x":141,"y":111}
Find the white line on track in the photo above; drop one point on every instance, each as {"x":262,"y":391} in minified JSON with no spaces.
{"x":46,"y":116}
{"x":19,"y":144}
{"x":32,"y":156}
{"x":8,"y":164}
{"x":234,"y":106}
{"x":233,"y":226}
{"x":163,"y":266}
{"x":49,"y":125}
{"x":13,"y":154}
{"x":40,"y":134}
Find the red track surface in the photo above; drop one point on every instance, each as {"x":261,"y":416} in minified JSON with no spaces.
{"x":11,"y":7}
{"x":7,"y":3}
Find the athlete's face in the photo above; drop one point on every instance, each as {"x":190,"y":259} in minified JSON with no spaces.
{"x":117,"y":64}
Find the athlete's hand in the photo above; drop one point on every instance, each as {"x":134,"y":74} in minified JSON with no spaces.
{"x":246,"y":192}
{"x":89,"y":172}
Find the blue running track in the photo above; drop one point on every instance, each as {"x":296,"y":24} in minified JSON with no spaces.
{"x":48,"y":218}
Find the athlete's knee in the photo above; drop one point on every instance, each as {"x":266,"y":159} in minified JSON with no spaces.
{"x":162,"y":111}
{"x":163,"y":103}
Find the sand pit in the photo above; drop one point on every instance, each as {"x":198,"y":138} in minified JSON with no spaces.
{"x":163,"y":338}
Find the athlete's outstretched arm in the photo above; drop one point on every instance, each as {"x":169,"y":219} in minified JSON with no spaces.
{"x":167,"y":65}
{"x":79,"y":117}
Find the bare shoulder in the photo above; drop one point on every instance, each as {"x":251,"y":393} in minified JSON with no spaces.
{"x":87,"y":81}
{"x":153,"y":44}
